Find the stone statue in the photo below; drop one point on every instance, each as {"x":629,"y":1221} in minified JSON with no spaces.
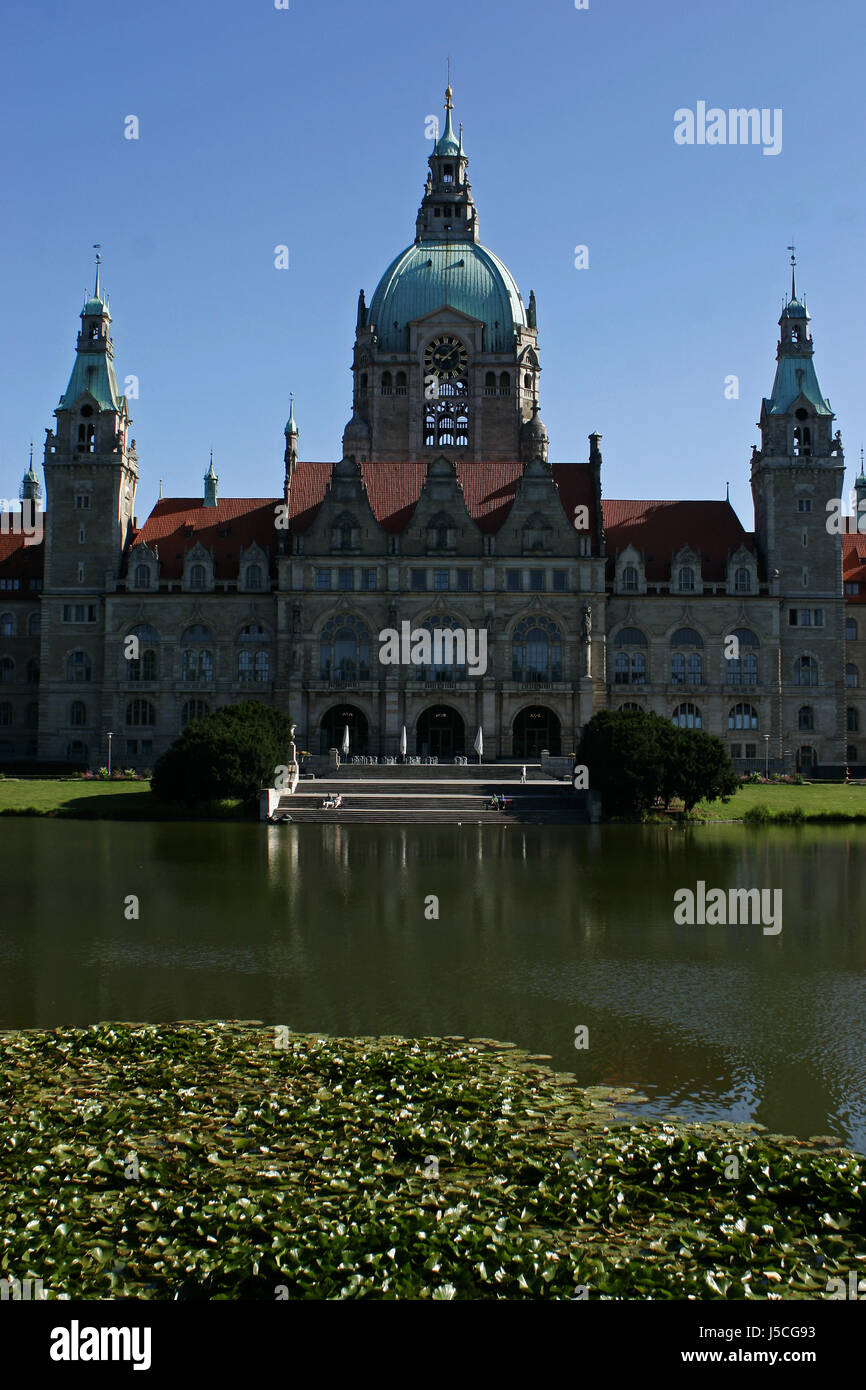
{"x":587,"y":623}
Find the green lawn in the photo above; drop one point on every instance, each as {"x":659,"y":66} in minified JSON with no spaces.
{"x":97,"y":801}
{"x":815,"y":799}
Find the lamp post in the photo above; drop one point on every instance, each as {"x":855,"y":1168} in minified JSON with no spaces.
{"x":110,"y":737}
{"x":766,"y":757}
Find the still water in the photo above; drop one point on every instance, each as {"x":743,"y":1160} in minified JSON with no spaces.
{"x":540,"y":931}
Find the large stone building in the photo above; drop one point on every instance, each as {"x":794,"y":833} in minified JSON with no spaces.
{"x":444,"y":511}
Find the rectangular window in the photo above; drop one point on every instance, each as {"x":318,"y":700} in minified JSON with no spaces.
{"x":804,"y":504}
{"x":146,"y":747}
{"x":345,"y":579}
{"x":368,"y":579}
{"x":512,"y":581}
{"x":560,"y":581}
{"x":132,"y":748}
{"x":82,"y":501}
{"x":464,"y":581}
{"x":441,"y":579}
{"x":800,"y":617}
{"x":736,"y":750}
{"x":419,"y":580}
{"x":818,"y":617}
{"x":750,"y":750}
{"x":852,"y":587}
{"x":536,"y":581}
{"x":323,"y":579}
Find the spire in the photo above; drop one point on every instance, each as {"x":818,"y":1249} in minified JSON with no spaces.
{"x":210,"y":485}
{"x":793,"y":250}
{"x":447,"y":211}
{"x":361,"y":321}
{"x":860,"y":490}
{"x":97,"y":246}
{"x":30,"y":489}
{"x":291,"y":430}
{"x":531,"y":311}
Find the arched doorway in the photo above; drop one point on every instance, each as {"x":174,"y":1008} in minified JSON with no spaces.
{"x":333,"y":727}
{"x":535,"y":728}
{"x":440,"y":733}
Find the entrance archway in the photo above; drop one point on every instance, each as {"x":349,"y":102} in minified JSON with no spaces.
{"x":535,"y":728}
{"x":440,"y":733}
{"x":333,"y":726}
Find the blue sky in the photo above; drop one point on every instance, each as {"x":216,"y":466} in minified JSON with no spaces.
{"x":305,"y":127}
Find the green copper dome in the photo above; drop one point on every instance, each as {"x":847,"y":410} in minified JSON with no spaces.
{"x":461,"y":274}
{"x":94,"y":306}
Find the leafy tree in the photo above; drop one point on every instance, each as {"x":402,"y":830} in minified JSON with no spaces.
{"x":228,"y":754}
{"x":636,"y":758}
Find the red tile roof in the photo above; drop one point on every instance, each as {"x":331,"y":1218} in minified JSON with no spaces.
{"x":659,"y":529}
{"x":22,"y":562}
{"x":854,"y":564}
{"x":176,"y":524}
{"x":393,"y":490}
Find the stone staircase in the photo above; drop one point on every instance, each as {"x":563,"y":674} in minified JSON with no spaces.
{"x":450,"y":795}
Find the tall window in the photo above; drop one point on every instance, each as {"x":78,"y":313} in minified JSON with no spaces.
{"x":852,"y":677}
{"x":444,"y":665}
{"x":196,"y":577}
{"x":142,"y":667}
{"x":7,"y":670}
{"x":805,"y":671}
{"x":344,"y":651}
{"x":77,"y":713}
{"x":630,"y":579}
{"x":806,"y":717}
{"x":254,"y":577}
{"x":536,"y":651}
{"x":853,"y":720}
{"x":743,"y":717}
{"x":6,"y":715}
{"x":686,"y":660}
{"x":850,"y":629}
{"x":743,"y":669}
{"x":687,"y":716}
{"x":687,"y":580}
{"x":78,"y":667}
{"x":630,"y":666}
{"x":192,"y":710}
{"x":742,"y":581}
{"x":7,"y":625}
{"x":142,"y":577}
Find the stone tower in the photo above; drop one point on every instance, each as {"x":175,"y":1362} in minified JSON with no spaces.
{"x":797,"y":472}
{"x":446,"y":354}
{"x":91,"y":475}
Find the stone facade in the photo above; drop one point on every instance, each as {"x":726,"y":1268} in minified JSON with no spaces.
{"x":444,"y":511}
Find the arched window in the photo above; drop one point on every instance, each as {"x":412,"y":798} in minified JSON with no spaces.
{"x":805,"y":671}
{"x":852,"y":677}
{"x":687,"y":716}
{"x":196,"y":577}
{"x":504,"y":384}
{"x":742,"y":581}
{"x":254,"y":632}
{"x":630,"y":579}
{"x":490,"y":384}
{"x":806,"y":758}
{"x":344,"y":651}
{"x":401,"y":384}
{"x":742,"y":717}
{"x":430,"y":428}
{"x":387,"y":388}
{"x":143,"y":667}
{"x":743,"y":669}
{"x":192,"y":710}
{"x":262,"y":666}
{"x":630,"y":666}
{"x":197,"y":664}
{"x":686,"y":665}
{"x":806,"y":717}
{"x":254,"y":577}
{"x":78,"y":666}
{"x":536,"y":651}
{"x":140,"y":714}
{"x":629,"y":704}
{"x":461,"y":436}
{"x":7,"y":670}
{"x":33,"y":671}
{"x":853,"y":720}
{"x":850,"y":629}
{"x":245,"y":667}
{"x":5,"y":714}
{"x":7,"y":625}
{"x":77,"y":713}
{"x":142,"y":577}
{"x":34,"y":625}
{"x":686,"y":583}
{"x":527,"y":381}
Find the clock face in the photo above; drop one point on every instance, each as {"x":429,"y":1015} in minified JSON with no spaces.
{"x":446,"y":357}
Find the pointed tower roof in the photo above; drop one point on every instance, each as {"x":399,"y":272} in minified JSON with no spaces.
{"x":448,"y":142}
{"x":795,"y":366}
{"x":291,"y":429}
{"x":93,"y":369}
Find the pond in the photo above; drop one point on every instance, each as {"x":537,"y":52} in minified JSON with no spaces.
{"x":547,"y":937}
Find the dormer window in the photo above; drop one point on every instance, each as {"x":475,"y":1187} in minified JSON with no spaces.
{"x":687,"y":580}
{"x":196,"y":577}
